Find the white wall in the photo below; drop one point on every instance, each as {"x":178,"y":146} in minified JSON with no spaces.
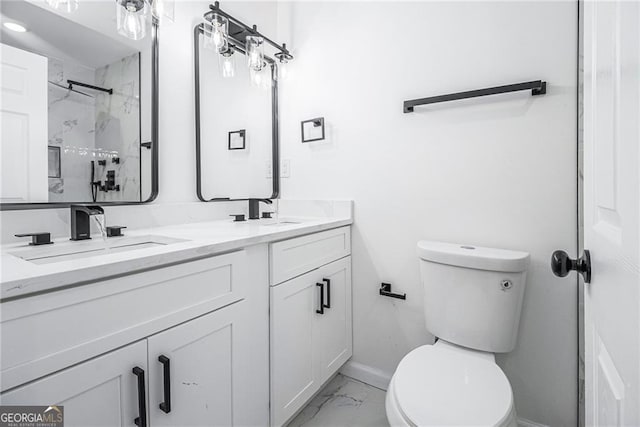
{"x":495,"y":171}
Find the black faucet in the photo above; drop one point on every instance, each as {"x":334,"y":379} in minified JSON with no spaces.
{"x":254,"y":207}
{"x":81,"y":220}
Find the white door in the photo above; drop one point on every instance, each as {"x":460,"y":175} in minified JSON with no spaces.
{"x":294,"y":366}
{"x":611,"y":212}
{"x":335,"y":325}
{"x":101,"y":392}
{"x":23,"y":123}
{"x":198,"y":361}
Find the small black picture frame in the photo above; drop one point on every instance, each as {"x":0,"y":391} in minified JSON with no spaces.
{"x":237,"y":139}
{"x":310,"y":131}
{"x":54,"y":162}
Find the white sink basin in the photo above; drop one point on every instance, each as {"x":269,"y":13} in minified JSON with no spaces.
{"x":90,"y":248}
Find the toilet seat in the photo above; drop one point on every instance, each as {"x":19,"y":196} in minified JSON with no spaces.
{"x":444,"y":384}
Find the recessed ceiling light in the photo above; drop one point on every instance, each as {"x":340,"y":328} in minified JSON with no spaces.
{"x":14,"y":26}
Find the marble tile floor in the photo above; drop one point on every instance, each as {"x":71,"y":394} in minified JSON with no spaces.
{"x":344,"y":402}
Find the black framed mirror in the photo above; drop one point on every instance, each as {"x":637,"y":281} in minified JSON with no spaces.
{"x":81,"y":122}
{"x":237,"y":148}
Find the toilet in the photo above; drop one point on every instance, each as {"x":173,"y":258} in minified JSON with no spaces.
{"x":472,"y":303}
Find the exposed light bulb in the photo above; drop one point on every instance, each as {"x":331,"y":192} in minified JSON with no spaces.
{"x":218,"y":38}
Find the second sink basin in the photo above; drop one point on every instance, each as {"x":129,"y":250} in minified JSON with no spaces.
{"x":68,"y":251}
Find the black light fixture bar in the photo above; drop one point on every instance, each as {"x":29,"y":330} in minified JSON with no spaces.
{"x":537,"y":87}
{"x":215,"y":8}
{"x":73,"y":83}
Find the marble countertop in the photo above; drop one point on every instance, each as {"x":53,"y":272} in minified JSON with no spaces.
{"x":19,"y":277}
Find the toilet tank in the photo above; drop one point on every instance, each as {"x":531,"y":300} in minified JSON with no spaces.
{"x":473,"y":295}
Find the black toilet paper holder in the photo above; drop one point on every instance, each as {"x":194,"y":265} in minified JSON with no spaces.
{"x":385,"y":290}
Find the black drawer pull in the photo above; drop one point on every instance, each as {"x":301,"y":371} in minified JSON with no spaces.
{"x":321,"y":310}
{"x":328,"y":282}
{"x":166,"y":374}
{"x":141,"y":420}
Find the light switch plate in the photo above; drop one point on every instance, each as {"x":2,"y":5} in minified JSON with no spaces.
{"x":285,"y":168}
{"x":268,"y":171}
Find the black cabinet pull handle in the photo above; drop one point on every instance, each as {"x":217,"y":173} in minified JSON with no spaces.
{"x":141,"y":420}
{"x":166,"y":369}
{"x":328,"y":282}
{"x":321,"y":310}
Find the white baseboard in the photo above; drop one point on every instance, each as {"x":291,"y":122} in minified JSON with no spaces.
{"x":366,"y":374}
{"x":526,"y":423}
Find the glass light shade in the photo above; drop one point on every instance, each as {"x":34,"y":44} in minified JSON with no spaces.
{"x":227,"y":63}
{"x":163,"y":10}
{"x":283,"y":70}
{"x":261,"y":79}
{"x":216,"y":32}
{"x":131,"y":18}
{"x":255,"y":52}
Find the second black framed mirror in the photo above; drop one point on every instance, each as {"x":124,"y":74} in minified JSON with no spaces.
{"x":237,"y":139}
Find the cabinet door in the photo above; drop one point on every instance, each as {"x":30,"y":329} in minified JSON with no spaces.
{"x":202,"y":370}
{"x":101,"y":392}
{"x":335,"y":343}
{"x":294,"y":367}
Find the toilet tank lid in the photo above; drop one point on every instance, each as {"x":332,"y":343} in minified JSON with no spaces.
{"x":471,"y":256}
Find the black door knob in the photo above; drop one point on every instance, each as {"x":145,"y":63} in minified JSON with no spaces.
{"x":562,"y":264}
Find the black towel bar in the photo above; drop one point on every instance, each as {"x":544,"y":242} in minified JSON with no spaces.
{"x":537,"y":87}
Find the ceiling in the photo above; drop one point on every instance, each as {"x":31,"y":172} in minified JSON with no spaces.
{"x":87,"y":36}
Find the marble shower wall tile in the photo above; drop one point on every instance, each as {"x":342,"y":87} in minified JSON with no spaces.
{"x":70,"y":127}
{"x":117,"y":126}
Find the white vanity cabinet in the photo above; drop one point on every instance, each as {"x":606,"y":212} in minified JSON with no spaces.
{"x":102,"y":391}
{"x":311,"y":324}
{"x":185,"y":345}
{"x":190,"y":372}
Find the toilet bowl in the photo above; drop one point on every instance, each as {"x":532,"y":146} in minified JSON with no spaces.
{"x":472,"y":303}
{"x":447,"y":385}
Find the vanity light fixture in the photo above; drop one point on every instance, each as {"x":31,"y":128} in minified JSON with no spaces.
{"x":14,"y":26}
{"x":224,"y":34}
